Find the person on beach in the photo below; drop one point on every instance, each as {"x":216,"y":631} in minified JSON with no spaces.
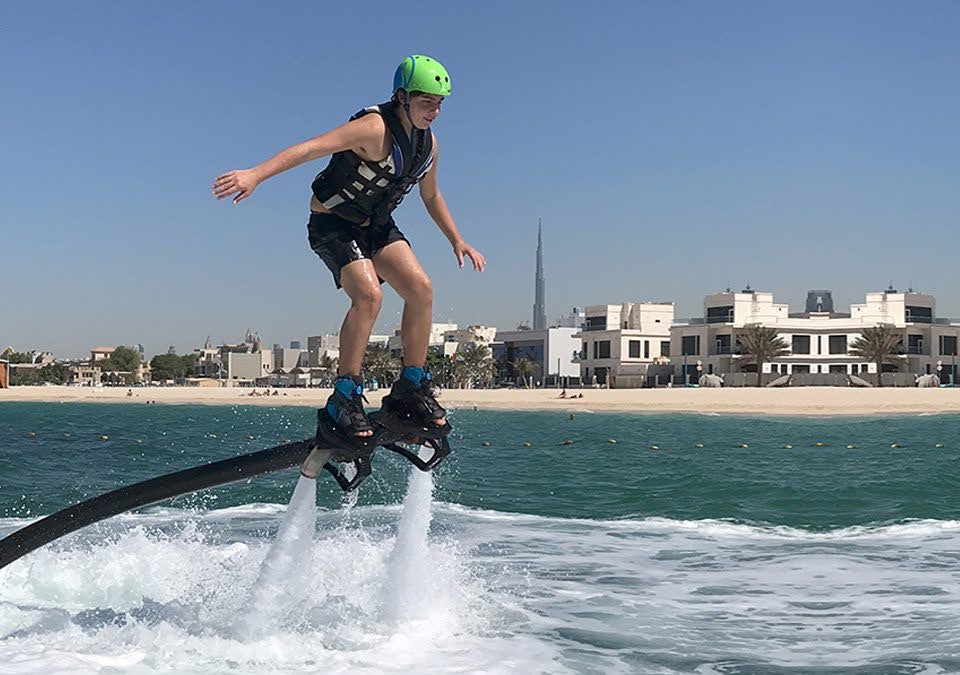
{"x":378,"y":156}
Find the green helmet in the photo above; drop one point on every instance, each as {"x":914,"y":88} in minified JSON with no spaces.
{"x":421,"y":73}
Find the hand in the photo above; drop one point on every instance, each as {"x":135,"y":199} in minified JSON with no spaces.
{"x":241,"y":182}
{"x":461,"y":249}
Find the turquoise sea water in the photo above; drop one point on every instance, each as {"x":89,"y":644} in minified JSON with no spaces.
{"x":574,"y":554}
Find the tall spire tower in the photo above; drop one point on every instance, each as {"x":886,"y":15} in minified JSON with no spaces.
{"x":539,"y":311}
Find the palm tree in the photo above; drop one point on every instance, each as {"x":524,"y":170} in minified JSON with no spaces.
{"x":474,"y":363}
{"x":524,"y":368}
{"x":328,"y":367}
{"x":879,"y":345}
{"x":381,"y":364}
{"x":761,"y":344}
{"x":441,"y":369}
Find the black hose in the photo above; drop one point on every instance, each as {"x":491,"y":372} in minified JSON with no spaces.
{"x":85,"y":513}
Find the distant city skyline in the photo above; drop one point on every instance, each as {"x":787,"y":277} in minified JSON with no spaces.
{"x":677,"y":149}
{"x":802,"y":302}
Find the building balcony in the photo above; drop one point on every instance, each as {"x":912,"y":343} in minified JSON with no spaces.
{"x":588,"y":329}
{"x":724,"y":351}
{"x":719,"y":319}
{"x":916,"y":351}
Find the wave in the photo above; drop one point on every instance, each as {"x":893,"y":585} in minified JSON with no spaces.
{"x":165,"y":588}
{"x":722,"y":528}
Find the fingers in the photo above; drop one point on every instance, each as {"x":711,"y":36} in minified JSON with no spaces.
{"x":225,"y":185}
{"x":229,"y":184}
{"x":459,"y":257}
{"x":479,"y":262}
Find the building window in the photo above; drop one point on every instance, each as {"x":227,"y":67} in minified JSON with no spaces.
{"x":646,"y":349}
{"x":801,"y":368}
{"x":838,"y":368}
{"x":594,"y":349}
{"x":919,"y":314}
{"x":665,"y":348}
{"x":596,"y":323}
{"x":603,"y":349}
{"x":634,"y":349}
{"x":720,"y":314}
{"x":801,"y":345}
{"x":838,"y":344}
{"x":583,"y":354}
{"x":819,"y":346}
{"x":948,"y":345}
{"x":690,"y":345}
{"x":915,"y":344}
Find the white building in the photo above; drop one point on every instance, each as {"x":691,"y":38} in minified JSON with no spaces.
{"x":288,"y":359}
{"x":624,"y":341}
{"x":247,"y":368}
{"x":552,"y":352}
{"x":819,"y":341}
{"x":319,"y":346}
{"x":455,"y":340}
{"x":437,"y":332}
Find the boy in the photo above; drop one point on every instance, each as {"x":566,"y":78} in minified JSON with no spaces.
{"x":377,"y":158}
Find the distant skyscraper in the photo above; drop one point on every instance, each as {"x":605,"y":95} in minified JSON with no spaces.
{"x":539,"y":304}
{"x":819,"y":301}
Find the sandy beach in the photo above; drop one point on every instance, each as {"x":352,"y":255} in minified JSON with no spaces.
{"x":742,"y":401}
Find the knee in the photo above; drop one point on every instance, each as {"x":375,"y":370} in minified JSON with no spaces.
{"x":367,"y":300}
{"x":420,"y":291}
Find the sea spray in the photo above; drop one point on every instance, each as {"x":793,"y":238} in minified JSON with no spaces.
{"x":279,"y":585}
{"x":408,"y":584}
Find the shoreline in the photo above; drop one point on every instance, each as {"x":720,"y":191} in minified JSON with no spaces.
{"x":748,"y":401}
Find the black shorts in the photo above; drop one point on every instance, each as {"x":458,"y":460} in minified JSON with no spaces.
{"x":339,"y":242}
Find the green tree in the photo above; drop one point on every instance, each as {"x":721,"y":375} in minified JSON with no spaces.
{"x":22,"y":377}
{"x":378,"y":362}
{"x":172,"y":367}
{"x":441,"y":369}
{"x":56,"y":373}
{"x":328,"y":367}
{"x":122,"y":360}
{"x":14,"y":356}
{"x":524,"y":368}
{"x":879,"y":345}
{"x":761,"y":344}
{"x":474,"y":364}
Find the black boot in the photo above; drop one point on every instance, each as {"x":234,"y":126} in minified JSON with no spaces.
{"x":411,"y":400}
{"x":344,"y":416}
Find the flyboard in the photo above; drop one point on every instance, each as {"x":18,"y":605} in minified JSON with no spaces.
{"x":348,"y":463}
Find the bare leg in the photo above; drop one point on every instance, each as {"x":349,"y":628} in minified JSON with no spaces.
{"x":359,"y":280}
{"x":400,"y":268}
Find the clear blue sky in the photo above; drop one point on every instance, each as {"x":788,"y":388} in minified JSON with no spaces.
{"x":671,"y":148}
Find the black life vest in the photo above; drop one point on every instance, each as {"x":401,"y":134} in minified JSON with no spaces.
{"x":361,"y":191}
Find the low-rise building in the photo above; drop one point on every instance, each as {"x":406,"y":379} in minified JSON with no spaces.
{"x":551,"y":353}
{"x":247,"y":369}
{"x":456,"y":340}
{"x":320,"y":346}
{"x":624,"y":342}
{"x":819,"y":339}
{"x":437,"y":331}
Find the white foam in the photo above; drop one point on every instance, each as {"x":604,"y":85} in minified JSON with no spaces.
{"x":500,"y":593}
{"x":280,"y":584}
{"x":408,"y":581}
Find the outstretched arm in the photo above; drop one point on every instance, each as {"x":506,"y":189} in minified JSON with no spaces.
{"x":437,"y":208}
{"x":354,"y":135}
